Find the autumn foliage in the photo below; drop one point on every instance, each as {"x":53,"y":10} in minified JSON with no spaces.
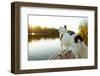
{"x":83,"y":31}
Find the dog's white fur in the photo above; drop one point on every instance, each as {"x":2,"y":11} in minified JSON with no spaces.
{"x":67,"y":44}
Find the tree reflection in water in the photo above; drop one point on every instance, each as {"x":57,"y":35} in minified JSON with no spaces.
{"x":37,"y":37}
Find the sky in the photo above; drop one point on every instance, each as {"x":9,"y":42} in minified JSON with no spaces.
{"x":72,"y":23}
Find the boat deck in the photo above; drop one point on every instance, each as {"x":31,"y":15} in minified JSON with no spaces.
{"x":62,"y":55}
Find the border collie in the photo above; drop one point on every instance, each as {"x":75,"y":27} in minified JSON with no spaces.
{"x":72,"y":42}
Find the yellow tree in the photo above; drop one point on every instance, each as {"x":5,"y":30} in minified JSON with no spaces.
{"x":83,"y":31}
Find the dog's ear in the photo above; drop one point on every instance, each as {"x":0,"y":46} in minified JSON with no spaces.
{"x":65,"y":26}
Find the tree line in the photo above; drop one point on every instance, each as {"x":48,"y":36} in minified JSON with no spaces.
{"x":43,"y":31}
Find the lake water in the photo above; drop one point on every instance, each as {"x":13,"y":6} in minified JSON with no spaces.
{"x":43,"y":49}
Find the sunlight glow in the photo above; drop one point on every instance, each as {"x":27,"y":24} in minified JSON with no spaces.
{"x":32,"y":33}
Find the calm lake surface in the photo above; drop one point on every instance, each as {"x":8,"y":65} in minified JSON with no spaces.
{"x":43,"y":48}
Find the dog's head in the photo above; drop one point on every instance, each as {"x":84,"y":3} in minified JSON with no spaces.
{"x":63,"y":29}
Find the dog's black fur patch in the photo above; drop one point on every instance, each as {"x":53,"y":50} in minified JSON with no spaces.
{"x":78,"y":37}
{"x":71,"y":32}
